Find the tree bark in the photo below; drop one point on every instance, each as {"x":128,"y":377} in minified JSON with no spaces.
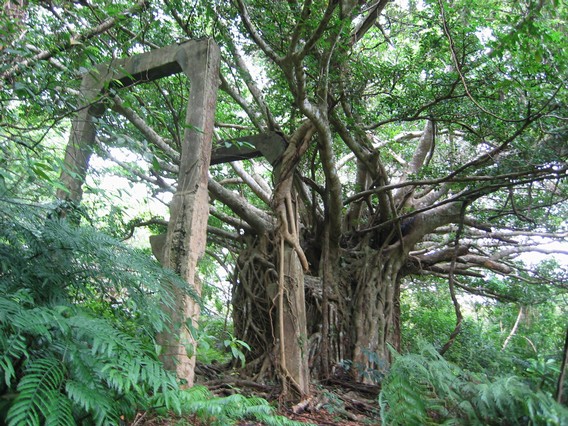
{"x":271,"y":283}
{"x":371,"y":322}
{"x":292,"y":336}
{"x":269,"y":313}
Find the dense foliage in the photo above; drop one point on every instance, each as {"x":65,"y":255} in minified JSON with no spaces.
{"x":421,"y":195}
{"x":78,"y":312}
{"x":424,"y":388}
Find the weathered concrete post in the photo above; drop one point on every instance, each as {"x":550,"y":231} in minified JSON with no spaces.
{"x":81,"y":142}
{"x":189,"y":209}
{"x":186,"y":237}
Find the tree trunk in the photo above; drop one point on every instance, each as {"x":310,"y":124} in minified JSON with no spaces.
{"x":269,"y":304}
{"x":353,"y":298}
{"x":269,"y":314}
{"x":292,"y":335}
{"x":255,"y":279}
{"x":269,"y":300}
{"x":363,"y":317}
{"x":363,"y":313}
{"x":373,"y":313}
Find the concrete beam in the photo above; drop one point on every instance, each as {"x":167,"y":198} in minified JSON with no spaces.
{"x":270,"y":145}
{"x":182,"y":57}
{"x":143,"y":67}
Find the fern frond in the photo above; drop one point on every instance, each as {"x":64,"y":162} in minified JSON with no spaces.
{"x":402,"y":402}
{"x":422,"y":388}
{"x":89,"y":398}
{"x":42,"y":377}
{"x":229,"y":410}
{"x":158,"y":380}
{"x":12,"y":347}
{"x":60,"y":412}
{"x":94,"y":400}
{"x":8,"y":308}
{"x":78,"y":312}
{"x":104,"y":339}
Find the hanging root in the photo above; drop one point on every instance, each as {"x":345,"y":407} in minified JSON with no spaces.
{"x":289,"y":229}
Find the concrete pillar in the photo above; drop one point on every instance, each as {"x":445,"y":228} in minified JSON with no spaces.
{"x":189,"y":209}
{"x":186,"y":236}
{"x":81,"y":142}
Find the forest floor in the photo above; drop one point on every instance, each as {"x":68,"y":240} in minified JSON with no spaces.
{"x":332,"y":403}
{"x":320,"y":418}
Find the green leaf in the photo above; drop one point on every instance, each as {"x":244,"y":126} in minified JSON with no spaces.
{"x":60,"y":413}
{"x":37,"y":390}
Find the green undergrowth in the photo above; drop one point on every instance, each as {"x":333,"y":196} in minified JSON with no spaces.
{"x":198,"y":403}
{"x":425,"y":389}
{"x":78,"y":315}
{"x":78,"y":312}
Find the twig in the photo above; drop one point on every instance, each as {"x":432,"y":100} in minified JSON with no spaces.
{"x":73,"y":41}
{"x":139,"y":418}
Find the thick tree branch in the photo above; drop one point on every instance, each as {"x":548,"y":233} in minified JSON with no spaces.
{"x":243,"y":70}
{"x":317,"y":34}
{"x":237,"y":223}
{"x":255,"y":217}
{"x":431,"y":219}
{"x":430,"y":196}
{"x":251,"y":182}
{"x":173,"y":9}
{"x":299,"y":28}
{"x":444,"y":255}
{"x":225,"y":235}
{"x":506,"y":179}
{"x":146,"y":130}
{"x":254,"y":116}
{"x":141,"y":223}
{"x":424,"y":147}
{"x":156,"y":180}
{"x":485,"y":292}
{"x":366,"y":24}
{"x":485,"y":262}
{"x":245,"y":17}
{"x":513,"y":251}
{"x":360,"y":149}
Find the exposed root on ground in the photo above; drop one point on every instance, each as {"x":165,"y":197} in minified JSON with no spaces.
{"x":333,"y":402}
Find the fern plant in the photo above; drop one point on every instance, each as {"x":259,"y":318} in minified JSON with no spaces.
{"x":78,"y":312}
{"x":230,"y":410}
{"x":425,"y":389}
